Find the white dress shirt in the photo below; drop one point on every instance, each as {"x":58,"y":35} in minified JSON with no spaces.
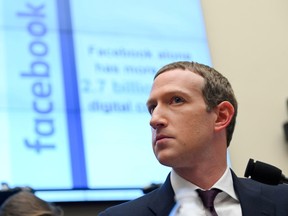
{"x":226,"y":203}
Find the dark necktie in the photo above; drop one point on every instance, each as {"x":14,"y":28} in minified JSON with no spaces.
{"x":207,"y":198}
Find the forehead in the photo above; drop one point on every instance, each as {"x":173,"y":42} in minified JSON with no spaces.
{"x":177,"y":80}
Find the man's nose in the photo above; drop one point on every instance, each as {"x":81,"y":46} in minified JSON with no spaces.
{"x":158,"y":118}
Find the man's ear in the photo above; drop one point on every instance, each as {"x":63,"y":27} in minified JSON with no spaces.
{"x":225,"y":112}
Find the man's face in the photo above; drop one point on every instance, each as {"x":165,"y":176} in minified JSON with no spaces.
{"x":182,"y":129}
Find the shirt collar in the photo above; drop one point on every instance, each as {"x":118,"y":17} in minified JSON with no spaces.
{"x":225,"y":183}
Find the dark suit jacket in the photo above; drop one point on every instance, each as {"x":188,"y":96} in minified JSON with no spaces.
{"x":255,"y":199}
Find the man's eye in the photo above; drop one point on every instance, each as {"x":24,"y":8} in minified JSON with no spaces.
{"x":177,"y":99}
{"x":151,"y":109}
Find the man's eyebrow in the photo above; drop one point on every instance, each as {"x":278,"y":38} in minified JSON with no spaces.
{"x":151,"y":101}
{"x":177,"y":92}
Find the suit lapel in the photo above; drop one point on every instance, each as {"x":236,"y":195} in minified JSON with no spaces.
{"x":163,"y":200}
{"x":250,"y":195}
{"x":251,"y":198}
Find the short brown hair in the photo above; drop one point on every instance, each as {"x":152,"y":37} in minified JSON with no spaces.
{"x":25,"y":203}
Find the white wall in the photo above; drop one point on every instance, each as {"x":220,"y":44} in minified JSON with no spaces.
{"x":249,"y":44}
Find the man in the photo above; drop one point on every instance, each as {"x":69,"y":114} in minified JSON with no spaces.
{"x":193,"y":113}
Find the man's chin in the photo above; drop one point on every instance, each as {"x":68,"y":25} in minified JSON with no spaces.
{"x":165,"y":160}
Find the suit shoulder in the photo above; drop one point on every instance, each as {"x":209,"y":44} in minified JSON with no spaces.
{"x":138,"y":206}
{"x":281,"y":189}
